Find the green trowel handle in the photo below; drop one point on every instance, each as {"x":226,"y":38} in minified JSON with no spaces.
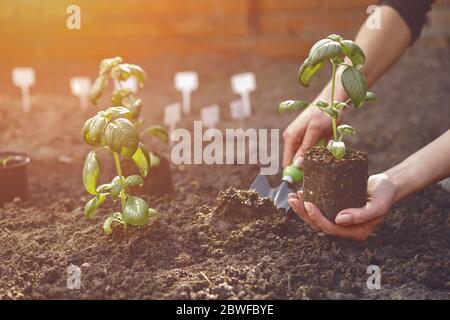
{"x":295,"y":175}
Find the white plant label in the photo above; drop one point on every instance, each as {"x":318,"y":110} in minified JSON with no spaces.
{"x":80,"y":87}
{"x":172,"y":115}
{"x":131,"y":83}
{"x":237,"y":110}
{"x":24,"y":78}
{"x":243,"y":84}
{"x":210,"y":116}
{"x":186,"y":82}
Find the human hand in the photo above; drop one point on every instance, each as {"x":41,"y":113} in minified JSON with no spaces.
{"x":353,"y":223}
{"x":302,"y":133}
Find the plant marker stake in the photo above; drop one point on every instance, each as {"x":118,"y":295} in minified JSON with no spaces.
{"x":243,"y":84}
{"x":80,"y":87}
{"x":172,"y":115}
{"x":186,"y":82}
{"x":237,"y":111}
{"x":131,"y":83}
{"x":210,"y":116}
{"x":24,"y":78}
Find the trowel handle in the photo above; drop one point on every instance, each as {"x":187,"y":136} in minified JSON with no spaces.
{"x":292,"y":174}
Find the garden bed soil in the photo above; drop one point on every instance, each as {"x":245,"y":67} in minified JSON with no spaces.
{"x":214,"y":239}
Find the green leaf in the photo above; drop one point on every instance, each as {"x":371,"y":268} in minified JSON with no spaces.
{"x":345,"y":129}
{"x":291,"y":105}
{"x":324,"y":50}
{"x":121,"y":72}
{"x":107,"y":64}
{"x":118,"y":95}
{"x":122,"y":137}
{"x":104,"y":188}
{"x":370,"y":97}
{"x":353,"y":52}
{"x":306,"y":72}
{"x":158,"y":132}
{"x":355,"y":85}
{"x":337,"y":149}
{"x":154,"y":160}
{"x":117,"y":112}
{"x":116,"y":187}
{"x":107,"y":225}
{"x":152,"y":213}
{"x":322,"y":104}
{"x":135,"y":211}
{"x":331,"y":112}
{"x":91,"y":172}
{"x":97,"y":88}
{"x":142,"y":159}
{"x":90,"y":209}
{"x":133,"y":104}
{"x":139,"y":73}
{"x":93,"y":130}
{"x":134,"y":180}
{"x":335,"y":37}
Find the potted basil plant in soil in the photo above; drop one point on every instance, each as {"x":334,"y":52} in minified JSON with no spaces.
{"x":158,"y":181}
{"x":335,"y":177}
{"x":13,"y":176}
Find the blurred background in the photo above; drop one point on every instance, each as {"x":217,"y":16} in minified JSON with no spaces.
{"x":34,"y":30}
{"x":217,"y":39}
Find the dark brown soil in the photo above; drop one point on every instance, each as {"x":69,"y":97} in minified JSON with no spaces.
{"x":333,"y":185}
{"x":231,"y":246}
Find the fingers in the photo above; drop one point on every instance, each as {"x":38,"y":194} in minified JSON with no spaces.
{"x":356,"y":233}
{"x":312,"y":135}
{"x":354,"y":216}
{"x":297,"y":205}
{"x":292,"y":139}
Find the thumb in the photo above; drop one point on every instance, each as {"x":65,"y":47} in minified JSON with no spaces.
{"x":358,"y":215}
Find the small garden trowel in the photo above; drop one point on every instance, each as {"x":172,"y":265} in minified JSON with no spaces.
{"x":279,"y":195}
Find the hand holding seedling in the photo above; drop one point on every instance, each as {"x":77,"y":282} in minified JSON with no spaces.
{"x":115,"y":130}
{"x":383,"y":191}
{"x":333,"y":49}
{"x":356,"y":223}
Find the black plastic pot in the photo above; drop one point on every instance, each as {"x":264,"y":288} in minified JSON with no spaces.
{"x":13,"y":176}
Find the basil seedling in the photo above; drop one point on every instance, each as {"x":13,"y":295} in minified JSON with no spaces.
{"x":116,"y":130}
{"x":334,"y":49}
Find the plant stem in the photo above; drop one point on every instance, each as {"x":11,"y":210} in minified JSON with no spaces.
{"x":333,"y":83}
{"x":119,"y":172}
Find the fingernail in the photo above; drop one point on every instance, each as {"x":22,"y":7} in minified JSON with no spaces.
{"x":308,"y":208}
{"x":343,"y":218}
{"x":298,"y":161}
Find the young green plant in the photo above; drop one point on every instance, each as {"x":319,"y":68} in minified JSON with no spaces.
{"x":116,"y":69}
{"x":339,"y":53}
{"x":115,"y":130}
